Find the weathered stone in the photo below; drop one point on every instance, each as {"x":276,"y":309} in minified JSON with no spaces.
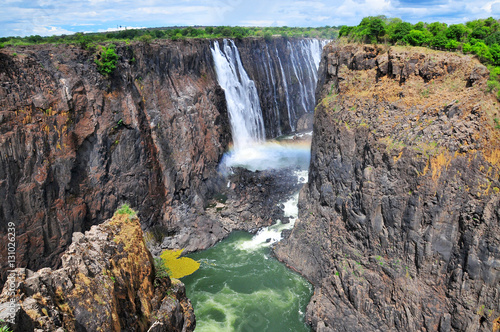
{"x":396,"y":228}
{"x":112,"y":288}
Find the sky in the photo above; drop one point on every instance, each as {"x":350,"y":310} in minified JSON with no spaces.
{"x":56,"y":17}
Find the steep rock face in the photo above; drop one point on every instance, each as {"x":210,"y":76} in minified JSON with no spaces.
{"x":399,"y":223}
{"x":75,"y":144}
{"x":285,"y":74}
{"x":106,"y":283}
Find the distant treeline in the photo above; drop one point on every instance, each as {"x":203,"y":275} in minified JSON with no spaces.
{"x":174,"y":33}
{"x":480,"y":37}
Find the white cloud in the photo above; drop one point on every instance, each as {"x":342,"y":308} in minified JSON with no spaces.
{"x":64,"y":16}
{"x":50,"y":31}
{"x":116,"y":29}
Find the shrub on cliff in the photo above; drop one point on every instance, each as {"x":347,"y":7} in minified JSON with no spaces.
{"x":147,"y":38}
{"x":125,"y":209}
{"x":106,"y":60}
{"x":161,"y":270}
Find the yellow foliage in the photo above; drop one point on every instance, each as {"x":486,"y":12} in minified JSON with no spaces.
{"x":179,"y":267}
{"x":493,"y":156}
{"x":438,"y":163}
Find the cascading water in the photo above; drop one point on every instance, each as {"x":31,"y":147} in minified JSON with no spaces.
{"x":245,"y":115}
{"x":304,"y":58}
{"x":273,"y":81}
{"x":285,"y":85}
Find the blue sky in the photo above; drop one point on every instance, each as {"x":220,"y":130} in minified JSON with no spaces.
{"x":55,"y":17}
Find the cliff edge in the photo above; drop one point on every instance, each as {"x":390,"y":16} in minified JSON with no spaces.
{"x":399,"y":222}
{"x":106,"y":283}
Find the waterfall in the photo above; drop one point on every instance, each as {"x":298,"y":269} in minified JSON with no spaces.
{"x":245,"y":114}
{"x":276,"y":107}
{"x":285,"y":85}
{"x":278,"y":89}
{"x":299,"y":73}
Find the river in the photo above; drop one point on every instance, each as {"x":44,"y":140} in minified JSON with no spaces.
{"x":240,"y":286}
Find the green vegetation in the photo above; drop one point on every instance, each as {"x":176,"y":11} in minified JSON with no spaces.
{"x":90,"y":40}
{"x":106,"y":60}
{"x":4,"y":328}
{"x":480,"y":37}
{"x":497,"y":123}
{"x":125,"y":209}
{"x":161,"y":270}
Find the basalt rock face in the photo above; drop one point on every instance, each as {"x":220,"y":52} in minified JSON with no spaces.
{"x":285,"y":74}
{"x":106,"y":283}
{"x":74,"y":144}
{"x":399,"y":224}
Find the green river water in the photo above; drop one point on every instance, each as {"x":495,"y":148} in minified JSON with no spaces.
{"x":243,"y":288}
{"x":240,"y":286}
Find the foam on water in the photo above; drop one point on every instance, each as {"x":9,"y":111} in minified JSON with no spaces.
{"x":267,"y":236}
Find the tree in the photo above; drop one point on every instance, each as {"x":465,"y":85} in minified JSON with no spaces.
{"x":482,"y":51}
{"x":377,"y":28}
{"x":418,"y":38}
{"x":399,"y":31}
{"x":436,"y":27}
{"x":480,"y":32}
{"x":419,"y":26}
{"x":345,"y":31}
{"x":455,"y":31}
{"x":494,"y":38}
{"x":495,"y":54}
{"x":268,"y":35}
{"x":106,"y":60}
{"x":439,"y":40}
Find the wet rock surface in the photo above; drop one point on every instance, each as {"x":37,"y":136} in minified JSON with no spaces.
{"x":106,"y":283}
{"x":246,"y":200}
{"x":398,"y":226}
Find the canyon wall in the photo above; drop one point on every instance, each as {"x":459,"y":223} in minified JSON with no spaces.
{"x":398,"y":226}
{"x":75,"y":144}
{"x":107,"y":282}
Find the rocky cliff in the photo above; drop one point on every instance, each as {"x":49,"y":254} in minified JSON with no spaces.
{"x":399,"y":223}
{"x":106,"y":283}
{"x":75,"y":144}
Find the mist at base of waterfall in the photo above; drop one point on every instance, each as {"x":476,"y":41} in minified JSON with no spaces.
{"x":270,"y":155}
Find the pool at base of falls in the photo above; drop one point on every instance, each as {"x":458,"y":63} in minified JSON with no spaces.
{"x":240,"y":287}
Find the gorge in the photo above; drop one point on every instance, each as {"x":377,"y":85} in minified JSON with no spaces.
{"x":399,"y":221}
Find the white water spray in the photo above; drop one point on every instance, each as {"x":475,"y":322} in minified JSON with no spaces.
{"x":243,"y":105}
